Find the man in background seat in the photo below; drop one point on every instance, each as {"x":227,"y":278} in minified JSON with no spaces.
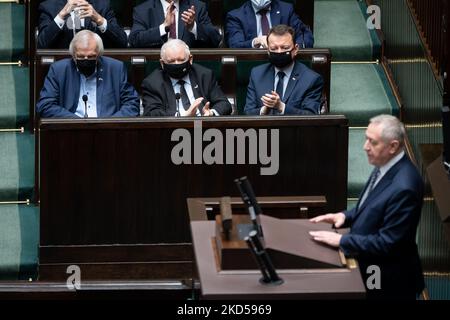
{"x":59,"y":20}
{"x":284,"y":86}
{"x":248,"y":26}
{"x":87,"y":85}
{"x":182,"y":88}
{"x":156,"y":21}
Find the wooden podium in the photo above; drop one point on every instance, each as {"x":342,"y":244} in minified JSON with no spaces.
{"x":439,"y":182}
{"x":310,"y":270}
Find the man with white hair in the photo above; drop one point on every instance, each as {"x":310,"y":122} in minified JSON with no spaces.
{"x":182,"y":88}
{"x":87,"y":85}
{"x":384,"y":222}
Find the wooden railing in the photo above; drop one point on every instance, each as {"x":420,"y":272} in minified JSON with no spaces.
{"x":433,"y":23}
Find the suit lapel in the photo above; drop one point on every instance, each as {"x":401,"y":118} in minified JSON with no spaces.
{"x":76,"y":87}
{"x":158,"y":10}
{"x":251,"y":18}
{"x":170,"y":93}
{"x":196,"y":90}
{"x":275,"y":15}
{"x":184,"y":5}
{"x":99,"y":87}
{"x":293,"y":80}
{"x":382,"y":184}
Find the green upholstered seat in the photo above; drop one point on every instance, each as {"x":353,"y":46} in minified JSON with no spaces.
{"x":16,"y":166}
{"x":341,"y":26}
{"x":19,"y":240}
{"x":358,"y":167}
{"x":14,"y":90}
{"x":12,"y":31}
{"x":360,"y":91}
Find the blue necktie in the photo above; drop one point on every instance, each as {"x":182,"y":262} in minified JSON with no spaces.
{"x":280,"y":84}
{"x":373,"y":179}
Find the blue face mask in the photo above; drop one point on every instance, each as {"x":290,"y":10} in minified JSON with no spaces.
{"x":260,"y":4}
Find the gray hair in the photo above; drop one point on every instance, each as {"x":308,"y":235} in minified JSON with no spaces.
{"x":391,"y":128}
{"x":175,"y":44}
{"x":83,"y":38}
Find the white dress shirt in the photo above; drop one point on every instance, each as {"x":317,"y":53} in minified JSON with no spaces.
{"x":88,"y":86}
{"x":162,"y":29}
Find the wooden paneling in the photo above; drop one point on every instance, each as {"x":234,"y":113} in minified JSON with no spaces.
{"x":111,"y":182}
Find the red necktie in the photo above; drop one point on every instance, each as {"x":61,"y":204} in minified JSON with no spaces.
{"x":173,"y":28}
{"x":264,"y":22}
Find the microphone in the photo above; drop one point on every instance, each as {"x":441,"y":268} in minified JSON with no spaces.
{"x":178,"y":97}
{"x":249,"y":199}
{"x":85,"y":99}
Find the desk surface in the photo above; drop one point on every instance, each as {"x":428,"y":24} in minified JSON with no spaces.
{"x":346,"y":284}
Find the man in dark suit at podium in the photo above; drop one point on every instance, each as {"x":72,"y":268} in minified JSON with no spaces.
{"x":182,"y":88}
{"x":59,"y":20}
{"x":384,"y":222}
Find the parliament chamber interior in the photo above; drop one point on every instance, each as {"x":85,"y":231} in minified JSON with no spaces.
{"x":103,"y":195}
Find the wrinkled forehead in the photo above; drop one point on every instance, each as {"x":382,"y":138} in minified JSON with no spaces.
{"x":175,"y":53}
{"x":86,"y":48}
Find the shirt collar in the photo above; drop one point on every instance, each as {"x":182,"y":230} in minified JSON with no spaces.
{"x":92,"y":76}
{"x":185,"y":78}
{"x":385,"y":168}
{"x":166,"y":4}
{"x":268,"y":8}
{"x":286,"y":70}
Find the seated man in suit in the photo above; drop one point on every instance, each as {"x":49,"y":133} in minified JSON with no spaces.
{"x":88,"y":85}
{"x":248,"y":26}
{"x":182,"y":88}
{"x":283,"y":86}
{"x":156,"y":21}
{"x":384,"y":222}
{"x":59,"y":20}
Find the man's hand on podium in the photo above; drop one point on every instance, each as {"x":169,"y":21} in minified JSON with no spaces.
{"x":331,"y":238}
{"x":337,"y":219}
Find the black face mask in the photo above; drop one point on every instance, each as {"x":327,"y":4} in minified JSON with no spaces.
{"x":280,"y":59}
{"x":86,"y":67}
{"x":177,"y":71}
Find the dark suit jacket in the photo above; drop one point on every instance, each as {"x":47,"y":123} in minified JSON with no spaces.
{"x":148,"y":16}
{"x":51,"y":36}
{"x":302,"y":96}
{"x":158,"y":96}
{"x":383,"y":232}
{"x":240,"y":24}
{"x":60,"y":94}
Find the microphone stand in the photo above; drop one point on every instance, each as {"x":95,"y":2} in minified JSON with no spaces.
{"x":265,"y":264}
{"x":177,"y":97}
{"x":85,"y":99}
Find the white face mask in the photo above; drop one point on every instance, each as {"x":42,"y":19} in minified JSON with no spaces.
{"x":260,"y":4}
